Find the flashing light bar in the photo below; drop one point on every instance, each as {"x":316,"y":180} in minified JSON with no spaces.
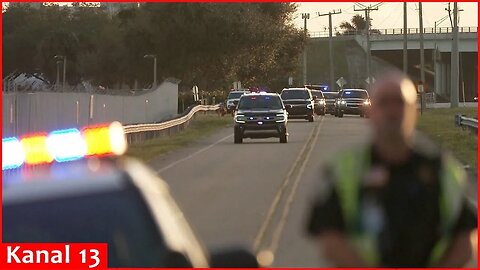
{"x":12,"y":154}
{"x":35,"y":149}
{"x":64,"y":145}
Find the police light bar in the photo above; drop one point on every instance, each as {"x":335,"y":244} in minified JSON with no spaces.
{"x":63,"y":145}
{"x":12,"y":154}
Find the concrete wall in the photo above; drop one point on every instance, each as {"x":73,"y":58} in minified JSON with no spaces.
{"x":45,"y":111}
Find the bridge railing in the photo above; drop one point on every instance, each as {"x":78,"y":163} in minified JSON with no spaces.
{"x":398,"y":31}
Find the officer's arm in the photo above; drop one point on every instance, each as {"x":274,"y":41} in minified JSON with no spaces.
{"x":459,"y":252}
{"x":338,"y":250}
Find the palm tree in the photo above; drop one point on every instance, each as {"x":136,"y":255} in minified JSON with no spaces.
{"x":357,"y":24}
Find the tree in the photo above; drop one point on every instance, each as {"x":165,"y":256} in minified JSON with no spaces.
{"x":358,"y":24}
{"x":205,"y":44}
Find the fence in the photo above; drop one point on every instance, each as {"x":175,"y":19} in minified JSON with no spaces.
{"x":399,"y":31}
{"x":466,"y":122}
{"x":45,"y":111}
{"x":141,"y":132}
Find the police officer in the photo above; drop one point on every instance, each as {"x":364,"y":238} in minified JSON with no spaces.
{"x":396,"y":201}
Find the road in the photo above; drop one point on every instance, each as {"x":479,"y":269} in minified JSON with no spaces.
{"x":256,"y":194}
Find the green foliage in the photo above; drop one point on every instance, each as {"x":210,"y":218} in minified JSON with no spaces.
{"x":207,"y":44}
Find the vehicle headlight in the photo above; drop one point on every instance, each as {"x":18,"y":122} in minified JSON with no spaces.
{"x":322,"y":102}
{"x":343,"y":102}
{"x":366,"y":102}
{"x":309,"y":106}
{"x":280,"y":118}
{"x":239,"y":118}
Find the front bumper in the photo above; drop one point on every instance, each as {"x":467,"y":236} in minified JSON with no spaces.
{"x":299,"y":112}
{"x":256,"y":130}
{"x":362,"y":109}
{"x":330,"y":108}
{"x":319,"y":108}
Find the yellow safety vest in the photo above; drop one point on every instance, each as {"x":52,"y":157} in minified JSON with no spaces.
{"x":349,"y":169}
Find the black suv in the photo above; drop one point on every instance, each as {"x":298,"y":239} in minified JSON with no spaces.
{"x":353,"y":101}
{"x":299,"y":103}
{"x":319,"y":102}
{"x":260,"y":115}
{"x":330,"y":99}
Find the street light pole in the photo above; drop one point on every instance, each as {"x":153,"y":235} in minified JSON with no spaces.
{"x":155,"y":72}
{"x":64,"y":71}
{"x":154,"y":85}
{"x":305,"y":17}
{"x":454,"y":61}
{"x":57,"y":82}
{"x":64,"y":58}
{"x":422,"y":55}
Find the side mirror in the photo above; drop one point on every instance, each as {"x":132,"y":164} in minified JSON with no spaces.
{"x":233,"y":258}
{"x":288,"y":106}
{"x":315,"y":97}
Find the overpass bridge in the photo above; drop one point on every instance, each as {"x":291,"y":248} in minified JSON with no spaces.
{"x":387,"y":44}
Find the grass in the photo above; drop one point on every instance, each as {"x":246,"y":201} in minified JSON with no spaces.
{"x":439,"y":125}
{"x":200,"y":127}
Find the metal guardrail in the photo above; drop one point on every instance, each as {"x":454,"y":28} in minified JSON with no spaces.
{"x":466,"y":122}
{"x":141,"y":132}
{"x":398,"y":31}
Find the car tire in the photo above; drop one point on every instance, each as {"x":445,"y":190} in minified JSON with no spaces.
{"x":283,"y":137}
{"x":340,"y":114}
{"x":322,"y":113}
{"x":237,"y":138}
{"x":362,"y":115}
{"x":311,"y":119}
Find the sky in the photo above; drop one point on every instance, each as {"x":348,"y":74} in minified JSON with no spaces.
{"x":388,"y":15}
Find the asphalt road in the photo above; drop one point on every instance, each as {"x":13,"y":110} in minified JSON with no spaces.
{"x":257,"y":194}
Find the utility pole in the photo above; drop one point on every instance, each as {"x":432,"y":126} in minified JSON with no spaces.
{"x":367,"y":18}
{"x":405,"y":39}
{"x":330,"y":45}
{"x":454,"y":61}
{"x":422,"y":53}
{"x":305,"y":17}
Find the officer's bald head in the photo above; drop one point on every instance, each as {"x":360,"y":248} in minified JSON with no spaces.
{"x":393,"y":110}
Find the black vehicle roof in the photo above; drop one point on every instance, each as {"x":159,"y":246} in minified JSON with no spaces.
{"x":100,"y":176}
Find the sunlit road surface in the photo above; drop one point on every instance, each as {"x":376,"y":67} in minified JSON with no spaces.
{"x":257,"y":194}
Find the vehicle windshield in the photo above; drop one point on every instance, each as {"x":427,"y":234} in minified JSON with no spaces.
{"x":233,"y":95}
{"x":354,"y":94}
{"x":260,"y":102}
{"x":295,"y":94}
{"x":330,"y":95}
{"x":118,"y":218}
